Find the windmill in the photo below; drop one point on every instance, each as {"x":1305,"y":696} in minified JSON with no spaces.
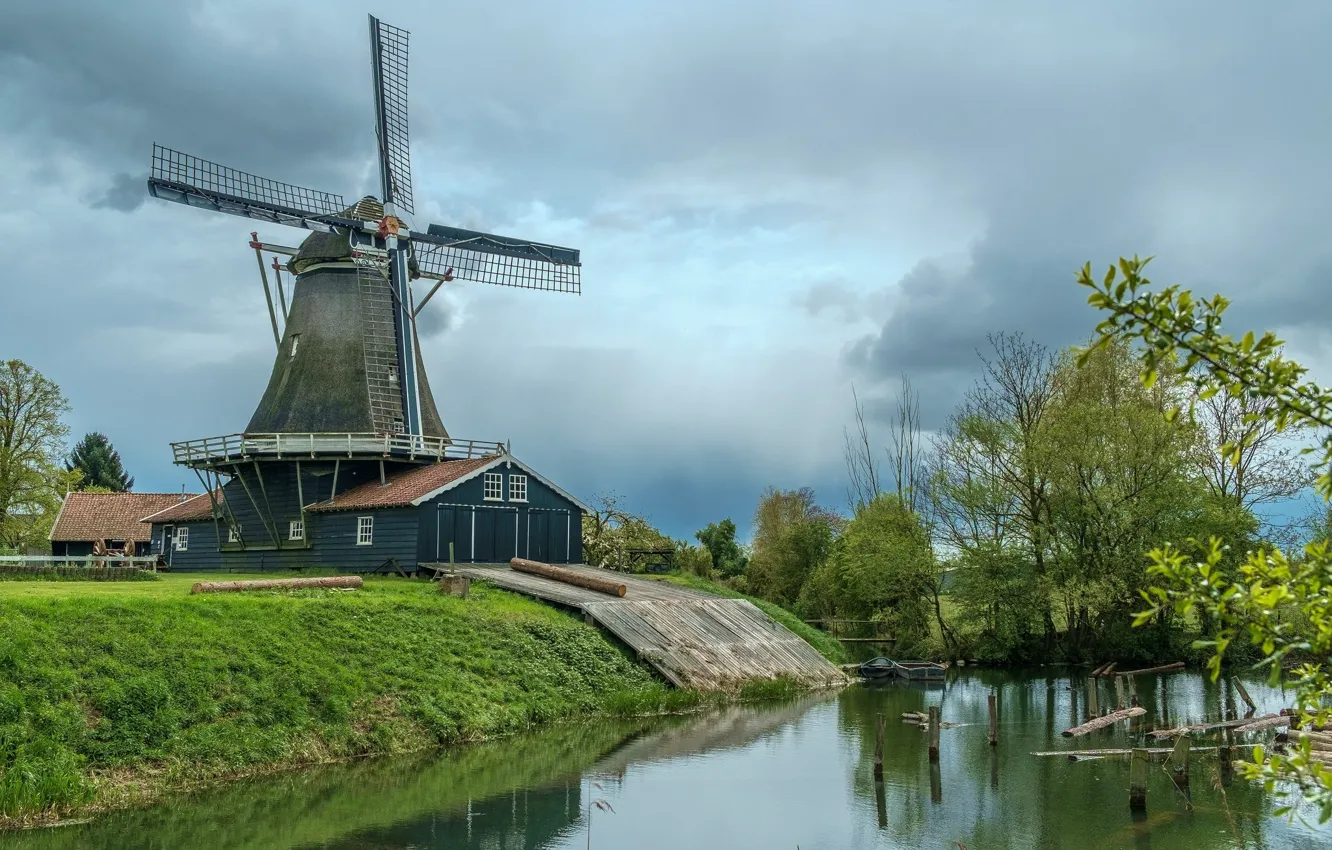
{"x":352,"y":311}
{"x":348,"y":393}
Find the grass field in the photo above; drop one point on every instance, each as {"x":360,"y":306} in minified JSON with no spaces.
{"x":116,"y":691}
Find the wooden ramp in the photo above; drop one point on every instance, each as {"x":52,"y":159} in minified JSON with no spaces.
{"x":693,"y":639}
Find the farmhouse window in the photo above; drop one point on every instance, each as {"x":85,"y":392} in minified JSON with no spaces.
{"x":182,"y":539}
{"x":517,"y":488}
{"x":296,"y":530}
{"x":234,"y":534}
{"x":493,"y":490}
{"x":365,"y":530}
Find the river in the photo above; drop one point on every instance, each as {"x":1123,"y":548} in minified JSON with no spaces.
{"x":786,"y":775}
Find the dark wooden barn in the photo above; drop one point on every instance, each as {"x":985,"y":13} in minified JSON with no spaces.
{"x":345,"y":516}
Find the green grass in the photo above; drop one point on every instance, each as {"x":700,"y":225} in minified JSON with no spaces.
{"x":116,"y":692}
{"x":105,"y":683}
{"x":826,"y":644}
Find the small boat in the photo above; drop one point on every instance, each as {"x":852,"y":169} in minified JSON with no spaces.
{"x":916,"y":671}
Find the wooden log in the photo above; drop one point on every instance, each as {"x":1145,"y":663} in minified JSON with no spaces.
{"x":1164,"y":668}
{"x":352,"y":582}
{"x":878,"y":749}
{"x":1100,"y":669}
{"x":1153,"y":753}
{"x":1101,"y":722}
{"x":934,"y":733}
{"x":1105,"y":671}
{"x":1161,"y":734}
{"x":1243,"y":692}
{"x":1265,"y":723}
{"x":573,"y":577}
{"x":1317,"y":737}
{"x":1138,"y":769}
{"x":992,"y":709}
{"x":1092,"y":708}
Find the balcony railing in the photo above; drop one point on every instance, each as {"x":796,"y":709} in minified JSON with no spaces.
{"x":233,"y":448}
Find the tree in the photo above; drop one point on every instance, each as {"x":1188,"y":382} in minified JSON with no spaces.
{"x":990,"y":486}
{"x":1281,"y":604}
{"x":718,"y":538}
{"x":610,"y":531}
{"x":862,"y":466}
{"x":881,"y":569}
{"x":792,"y":536}
{"x":31,"y":438}
{"x":100,"y":464}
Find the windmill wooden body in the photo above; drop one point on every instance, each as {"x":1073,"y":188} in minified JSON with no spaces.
{"x":348,"y":404}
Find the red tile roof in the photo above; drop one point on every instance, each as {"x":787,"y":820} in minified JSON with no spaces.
{"x":404,"y":487}
{"x":194,"y":508}
{"x":109,"y":516}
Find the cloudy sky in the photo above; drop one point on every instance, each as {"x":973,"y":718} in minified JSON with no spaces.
{"x":774,"y":201}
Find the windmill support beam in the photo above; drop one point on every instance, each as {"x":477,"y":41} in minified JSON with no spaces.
{"x":268,"y":293}
{"x":269,"y":523}
{"x":212,"y":500}
{"x":439,"y":281}
{"x":250,"y":495}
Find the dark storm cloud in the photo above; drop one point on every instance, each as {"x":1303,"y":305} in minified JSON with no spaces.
{"x":738,"y":176}
{"x":126,"y":193}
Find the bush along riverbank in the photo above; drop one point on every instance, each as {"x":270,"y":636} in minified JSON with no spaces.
{"x":110,"y":696}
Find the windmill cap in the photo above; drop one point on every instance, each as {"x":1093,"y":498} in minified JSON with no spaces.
{"x":334,"y":247}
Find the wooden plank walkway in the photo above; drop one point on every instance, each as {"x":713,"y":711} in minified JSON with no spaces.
{"x":695,"y":640}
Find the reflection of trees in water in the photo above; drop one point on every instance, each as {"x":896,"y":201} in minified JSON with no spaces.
{"x":1005,"y":797}
{"x":520,"y":820}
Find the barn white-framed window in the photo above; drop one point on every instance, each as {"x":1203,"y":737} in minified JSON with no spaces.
{"x":517,"y":488}
{"x":234,"y":534}
{"x":296,"y":530}
{"x":492,"y":489}
{"x":182,"y":541}
{"x":365,"y":530}
{"x":397,"y":427}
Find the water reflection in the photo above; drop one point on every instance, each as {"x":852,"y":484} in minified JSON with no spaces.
{"x":778,"y":776}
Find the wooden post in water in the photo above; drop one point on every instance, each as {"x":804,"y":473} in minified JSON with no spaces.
{"x":994,"y":718}
{"x":1244,"y":694}
{"x":1119,"y":693}
{"x":934,"y":733}
{"x":936,"y":783}
{"x":1226,"y":757}
{"x":878,"y":749}
{"x":1139,"y":764}
{"x":1179,"y":761}
{"x":1133,"y":691}
{"x":1092,"y":698}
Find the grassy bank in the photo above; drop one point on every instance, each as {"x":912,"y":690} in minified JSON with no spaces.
{"x":115,"y":692}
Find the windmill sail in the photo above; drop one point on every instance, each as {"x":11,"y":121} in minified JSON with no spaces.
{"x":196,"y":182}
{"x":388,"y":56}
{"x":500,"y":260}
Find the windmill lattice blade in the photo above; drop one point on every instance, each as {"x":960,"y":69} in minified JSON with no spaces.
{"x":388,"y":54}
{"x":189,"y":180}
{"x":499,"y":260}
